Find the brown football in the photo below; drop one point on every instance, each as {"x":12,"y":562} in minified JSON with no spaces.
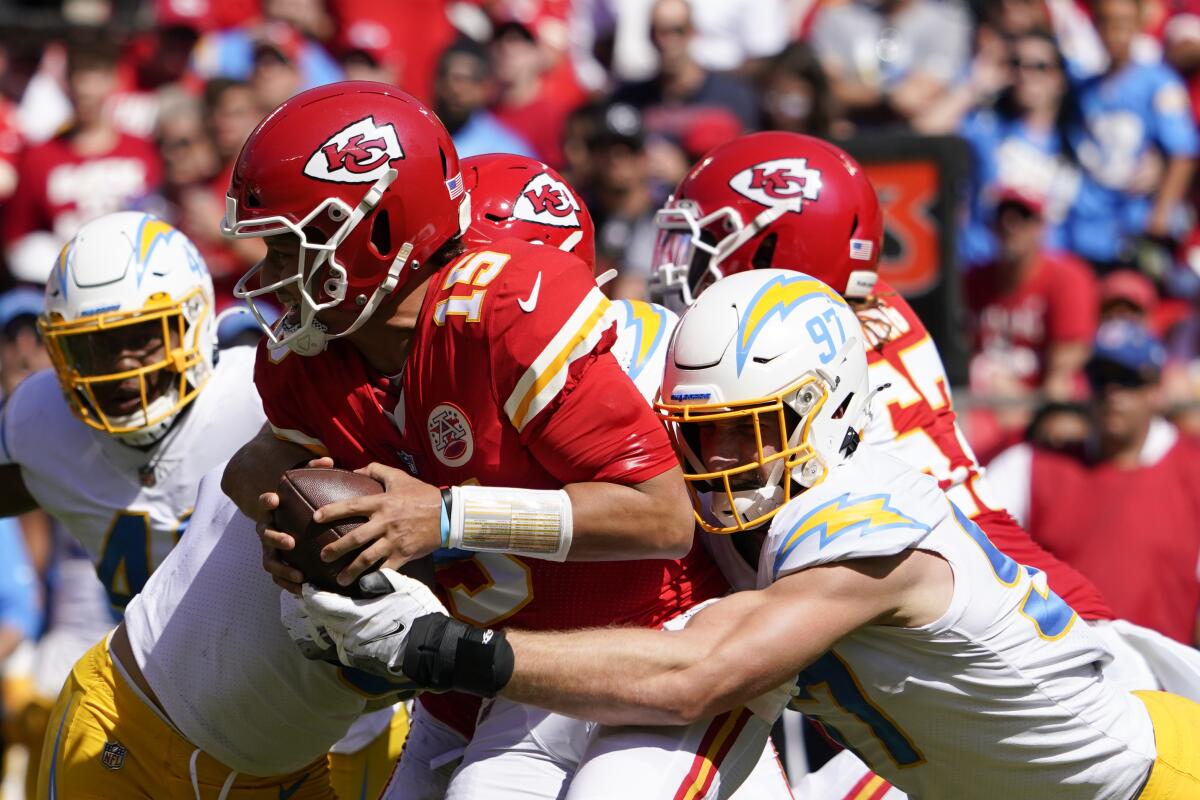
{"x":301,"y":492}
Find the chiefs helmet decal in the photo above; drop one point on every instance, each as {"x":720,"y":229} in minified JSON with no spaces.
{"x":784,"y":181}
{"x":359,"y":153}
{"x":548,"y":201}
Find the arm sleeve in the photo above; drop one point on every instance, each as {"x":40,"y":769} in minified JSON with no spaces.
{"x":1173,"y":123}
{"x":272,"y":378}
{"x":540,"y":359}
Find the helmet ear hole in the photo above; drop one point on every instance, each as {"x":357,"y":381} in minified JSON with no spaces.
{"x":381,"y":234}
{"x":764,"y":256}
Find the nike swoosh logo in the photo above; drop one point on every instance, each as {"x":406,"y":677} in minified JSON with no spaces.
{"x":530,"y":303}
{"x":286,"y":792}
{"x":398,"y":629}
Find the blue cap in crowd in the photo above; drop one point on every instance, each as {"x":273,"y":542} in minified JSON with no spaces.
{"x":20,"y":302}
{"x":1125,"y":352}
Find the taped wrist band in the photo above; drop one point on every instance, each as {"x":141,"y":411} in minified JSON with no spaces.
{"x":447,"y":501}
{"x":525,"y":522}
{"x":444,"y":654}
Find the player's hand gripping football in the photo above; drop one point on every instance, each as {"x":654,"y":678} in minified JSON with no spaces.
{"x":285,"y":576}
{"x":403,"y":523}
{"x":368,"y":634}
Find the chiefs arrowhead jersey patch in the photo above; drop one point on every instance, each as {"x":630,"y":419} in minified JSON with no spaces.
{"x":784,"y":181}
{"x":359,"y":153}
{"x":547,"y":201}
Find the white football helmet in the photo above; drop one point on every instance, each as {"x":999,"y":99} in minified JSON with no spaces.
{"x":130,"y":283}
{"x":779,"y":356}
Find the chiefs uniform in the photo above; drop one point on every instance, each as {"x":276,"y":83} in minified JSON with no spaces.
{"x":508,"y":382}
{"x":914,"y":421}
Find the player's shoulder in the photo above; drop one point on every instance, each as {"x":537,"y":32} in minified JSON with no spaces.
{"x":888,"y":320}
{"x":38,"y":396}
{"x":873,"y":505}
{"x":233,"y":377}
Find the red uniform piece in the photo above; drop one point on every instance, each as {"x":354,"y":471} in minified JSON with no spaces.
{"x":58,"y":189}
{"x":1058,"y":302}
{"x":1135,"y":532}
{"x":508,"y":382}
{"x":914,"y":421}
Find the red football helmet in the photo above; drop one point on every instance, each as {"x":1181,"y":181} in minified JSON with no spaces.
{"x":774,"y":199}
{"x":368,"y":180}
{"x":520,"y":197}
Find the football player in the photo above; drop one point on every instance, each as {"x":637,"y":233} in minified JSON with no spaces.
{"x":483,"y":371}
{"x":882,"y":609}
{"x":114,"y":440}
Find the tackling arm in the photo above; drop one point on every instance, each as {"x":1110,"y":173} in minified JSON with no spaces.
{"x":256,"y":468}
{"x":732,"y":652}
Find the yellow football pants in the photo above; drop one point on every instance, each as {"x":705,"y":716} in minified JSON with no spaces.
{"x":363,"y":774}
{"x":1176,"y":771}
{"x":104,"y":742}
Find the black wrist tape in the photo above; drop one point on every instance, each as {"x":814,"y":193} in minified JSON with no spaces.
{"x":444,"y":654}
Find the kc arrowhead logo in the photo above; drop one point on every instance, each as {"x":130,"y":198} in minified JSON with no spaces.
{"x":359,"y":153}
{"x":784,"y":181}
{"x":547,"y":201}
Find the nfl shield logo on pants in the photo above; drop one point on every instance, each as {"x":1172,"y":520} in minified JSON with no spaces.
{"x":113,"y":756}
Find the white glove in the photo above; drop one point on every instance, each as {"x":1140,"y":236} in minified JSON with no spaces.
{"x":370,"y":634}
{"x":313,"y":643}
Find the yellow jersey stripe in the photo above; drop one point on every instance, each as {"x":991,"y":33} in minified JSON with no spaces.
{"x":546,"y":377}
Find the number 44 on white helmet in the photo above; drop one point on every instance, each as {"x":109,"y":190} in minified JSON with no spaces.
{"x":765,"y":390}
{"x":129,"y":325}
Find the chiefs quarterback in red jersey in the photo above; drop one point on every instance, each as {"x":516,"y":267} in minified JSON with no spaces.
{"x":477,"y":386}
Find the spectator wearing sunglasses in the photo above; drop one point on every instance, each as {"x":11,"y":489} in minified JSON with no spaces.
{"x":1022,"y":140}
{"x":1033,"y":316}
{"x":1125,"y":512}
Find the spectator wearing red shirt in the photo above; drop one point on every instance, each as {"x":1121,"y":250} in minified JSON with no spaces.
{"x":1126,"y":513}
{"x":1033,"y":315}
{"x":526,"y":102}
{"x":88,"y":170}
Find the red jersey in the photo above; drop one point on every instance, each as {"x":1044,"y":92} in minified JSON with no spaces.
{"x":914,"y":421}
{"x":1135,"y":532}
{"x":58,"y":190}
{"x":509,"y":382}
{"x":1058,"y":302}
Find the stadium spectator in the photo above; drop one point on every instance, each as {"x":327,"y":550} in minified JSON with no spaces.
{"x":796,"y":95}
{"x":231,"y":53}
{"x":1135,"y":115}
{"x":622,"y":201}
{"x":1022,"y":140}
{"x":1127,"y":513}
{"x":1130,"y":295}
{"x":1033,"y":316}
{"x":275,"y":75}
{"x":526,"y":103}
{"x":888,"y":61}
{"x":682,"y":88}
{"x":364,"y":56}
{"x":90,"y":169}
{"x":460,"y":96}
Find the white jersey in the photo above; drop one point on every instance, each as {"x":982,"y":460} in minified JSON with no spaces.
{"x":1001,"y":697}
{"x":128,"y":507}
{"x":206,"y":635}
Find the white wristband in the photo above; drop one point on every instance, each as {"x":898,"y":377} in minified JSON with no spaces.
{"x":524,"y":522}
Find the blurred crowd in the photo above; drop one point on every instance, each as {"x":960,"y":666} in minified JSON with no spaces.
{"x":1079,"y":205}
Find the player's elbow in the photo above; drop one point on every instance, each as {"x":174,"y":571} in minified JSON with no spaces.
{"x":675,"y":526}
{"x":688,"y":702}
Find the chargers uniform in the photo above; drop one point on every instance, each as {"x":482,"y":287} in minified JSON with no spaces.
{"x":508,"y":382}
{"x":241,"y":699}
{"x":1001,"y":696}
{"x":127,"y":506}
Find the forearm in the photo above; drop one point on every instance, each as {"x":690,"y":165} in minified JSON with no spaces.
{"x":10,"y":637}
{"x":1063,"y":363}
{"x":614,"y":522}
{"x":618,"y":676}
{"x":1174,"y":186}
{"x":257,"y":467}
{"x":916,"y":93}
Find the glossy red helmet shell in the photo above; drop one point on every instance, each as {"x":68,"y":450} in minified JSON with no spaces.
{"x":774,"y":199}
{"x":520,"y":197}
{"x":366,"y":176}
